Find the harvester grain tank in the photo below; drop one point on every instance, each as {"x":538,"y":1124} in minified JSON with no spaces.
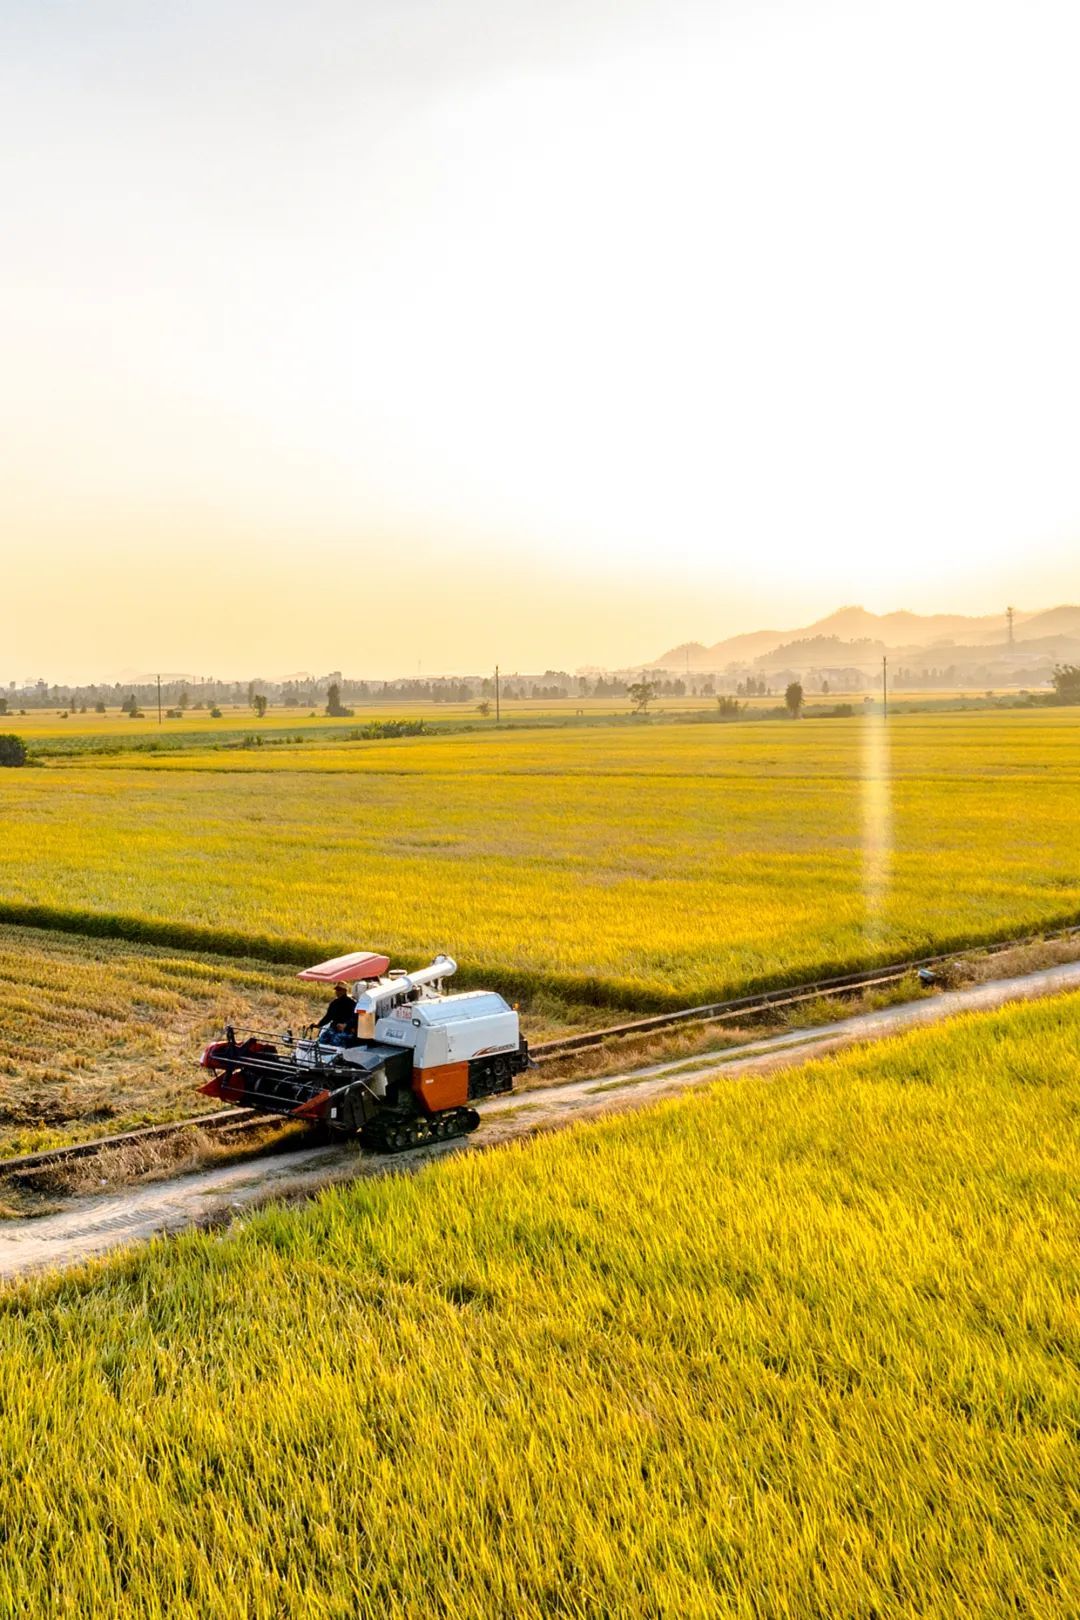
{"x":400,"y":1071}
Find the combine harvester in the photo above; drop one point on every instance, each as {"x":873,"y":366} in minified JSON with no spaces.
{"x":400,"y":1073}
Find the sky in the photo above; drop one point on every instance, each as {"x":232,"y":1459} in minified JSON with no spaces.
{"x":419,"y":335}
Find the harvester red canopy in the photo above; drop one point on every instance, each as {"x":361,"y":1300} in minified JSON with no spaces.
{"x":347,"y":969}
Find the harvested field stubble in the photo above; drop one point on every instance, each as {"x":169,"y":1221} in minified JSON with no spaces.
{"x":625,"y":868}
{"x":97,"y":1036}
{"x":802,"y":1347}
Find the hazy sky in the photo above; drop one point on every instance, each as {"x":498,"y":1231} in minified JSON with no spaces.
{"x":445,"y":331}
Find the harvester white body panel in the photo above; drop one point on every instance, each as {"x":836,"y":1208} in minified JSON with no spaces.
{"x":452,"y":1029}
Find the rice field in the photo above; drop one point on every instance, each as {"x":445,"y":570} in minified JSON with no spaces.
{"x":619,"y":867}
{"x":802,"y":1347}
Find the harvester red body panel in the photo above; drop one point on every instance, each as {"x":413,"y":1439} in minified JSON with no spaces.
{"x":348,"y":969}
{"x":401,"y":1070}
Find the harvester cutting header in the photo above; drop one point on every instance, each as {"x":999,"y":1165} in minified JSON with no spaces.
{"x":397,"y":1062}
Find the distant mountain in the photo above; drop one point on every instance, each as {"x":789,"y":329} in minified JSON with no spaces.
{"x":818,"y":651}
{"x":1059,"y":621}
{"x":852,"y":632}
{"x":744,"y":648}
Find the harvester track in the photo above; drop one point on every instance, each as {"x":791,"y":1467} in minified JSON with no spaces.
{"x":231,"y":1122}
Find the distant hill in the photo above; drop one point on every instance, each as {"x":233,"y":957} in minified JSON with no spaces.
{"x":853,"y":632}
{"x":745,"y":648}
{"x":1059,"y":621}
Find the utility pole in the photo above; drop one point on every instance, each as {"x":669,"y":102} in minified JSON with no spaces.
{"x":1009,"y":615}
{"x":159,"y":700}
{"x":884,"y":688}
{"x":496,"y":694}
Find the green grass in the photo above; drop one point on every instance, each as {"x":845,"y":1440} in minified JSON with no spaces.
{"x":624,"y":867}
{"x":802,"y":1347}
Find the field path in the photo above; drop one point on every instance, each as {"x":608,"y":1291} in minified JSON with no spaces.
{"x":90,"y":1226}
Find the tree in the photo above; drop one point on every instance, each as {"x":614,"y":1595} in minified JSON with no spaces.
{"x":793,"y":697}
{"x":258,"y":703}
{"x":334,"y":705}
{"x":484,"y":708}
{"x":3,"y":705}
{"x":1066,"y":678}
{"x":729,"y":707}
{"x":12,"y":750}
{"x":641,"y":694}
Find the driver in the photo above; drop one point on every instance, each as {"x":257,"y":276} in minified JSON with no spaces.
{"x":341,"y":1013}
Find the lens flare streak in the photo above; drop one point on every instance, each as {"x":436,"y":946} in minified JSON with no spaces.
{"x":877,"y":824}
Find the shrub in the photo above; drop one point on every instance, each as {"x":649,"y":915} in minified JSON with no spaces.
{"x":12,"y":749}
{"x":1066,"y":680}
{"x":375,"y":730}
{"x":215,"y":713}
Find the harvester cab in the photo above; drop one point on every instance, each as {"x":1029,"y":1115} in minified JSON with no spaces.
{"x":402,"y":1076}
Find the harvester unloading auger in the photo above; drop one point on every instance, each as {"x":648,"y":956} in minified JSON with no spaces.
{"x":400,"y":1070}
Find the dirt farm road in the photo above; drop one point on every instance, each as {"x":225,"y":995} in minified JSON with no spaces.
{"x":90,"y":1226}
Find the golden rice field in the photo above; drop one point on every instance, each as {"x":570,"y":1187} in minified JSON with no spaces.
{"x":623,"y":866}
{"x":803,"y":1347}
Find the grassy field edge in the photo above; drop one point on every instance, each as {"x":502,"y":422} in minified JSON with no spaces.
{"x":583,"y":990}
